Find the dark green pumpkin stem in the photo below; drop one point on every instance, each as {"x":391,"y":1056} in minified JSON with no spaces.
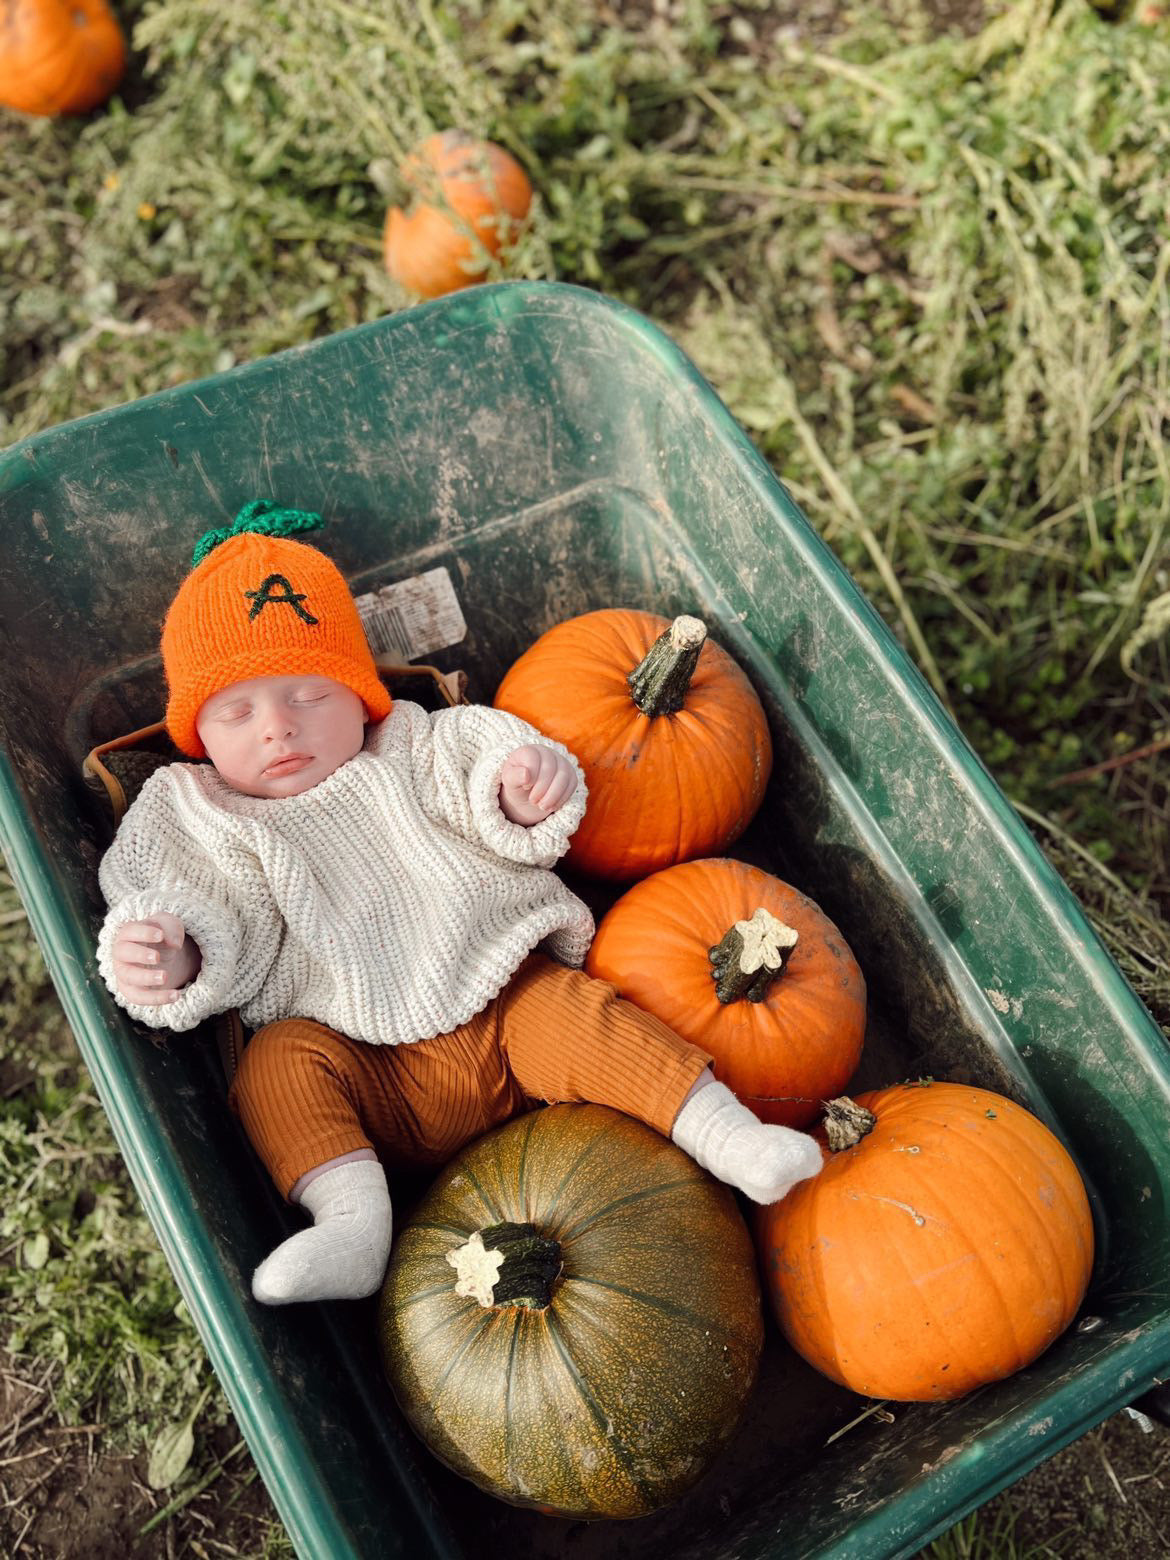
{"x":846,"y":1123}
{"x":659,"y":683}
{"x":750,"y":957}
{"x":261,"y":517}
{"x":508,"y":1264}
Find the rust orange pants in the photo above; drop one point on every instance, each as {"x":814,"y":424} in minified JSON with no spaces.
{"x":307,"y":1094}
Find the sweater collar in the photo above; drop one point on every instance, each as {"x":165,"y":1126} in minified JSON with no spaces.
{"x":225,"y":797}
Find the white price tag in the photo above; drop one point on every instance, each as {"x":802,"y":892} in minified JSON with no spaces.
{"x":413,"y":617}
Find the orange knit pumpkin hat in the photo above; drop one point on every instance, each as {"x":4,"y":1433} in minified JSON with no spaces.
{"x":257,"y":604}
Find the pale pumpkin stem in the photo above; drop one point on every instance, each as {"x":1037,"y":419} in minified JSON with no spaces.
{"x":846,"y":1123}
{"x":750,"y":957}
{"x":658,"y":684}
{"x":508,"y":1264}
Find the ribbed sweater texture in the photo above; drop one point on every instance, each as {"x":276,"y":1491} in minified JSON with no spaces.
{"x":392,"y":901}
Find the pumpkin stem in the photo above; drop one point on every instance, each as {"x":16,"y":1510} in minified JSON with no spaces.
{"x":659,"y":683}
{"x":508,"y":1264}
{"x":750,"y":956}
{"x":846,"y":1123}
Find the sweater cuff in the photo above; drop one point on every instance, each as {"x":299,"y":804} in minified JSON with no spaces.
{"x":539,"y":845}
{"x":215,"y":930}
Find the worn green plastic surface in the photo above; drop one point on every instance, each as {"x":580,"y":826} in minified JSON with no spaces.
{"x":555,"y":453}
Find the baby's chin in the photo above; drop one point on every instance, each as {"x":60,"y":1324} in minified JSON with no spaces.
{"x":288,"y":785}
{"x":272,"y":787}
{"x":251,"y":780}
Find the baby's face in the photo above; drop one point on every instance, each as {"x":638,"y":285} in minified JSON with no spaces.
{"x":279,"y":736}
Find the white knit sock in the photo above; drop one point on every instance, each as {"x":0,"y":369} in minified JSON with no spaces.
{"x":723,"y":1136}
{"x":344,"y":1255}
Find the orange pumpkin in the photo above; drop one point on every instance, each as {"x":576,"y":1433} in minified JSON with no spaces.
{"x":472,"y":198}
{"x":944,"y":1248}
{"x":58,"y":56}
{"x":747,"y":968}
{"x":670,"y":734}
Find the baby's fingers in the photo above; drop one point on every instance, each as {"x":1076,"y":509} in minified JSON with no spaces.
{"x":521,"y":767}
{"x":558,"y":793}
{"x":515,"y":776}
{"x":137,"y":935}
{"x":147,"y":987}
{"x":135,"y":954}
{"x":546,"y":773}
{"x":173,"y":930}
{"x":162,"y":931}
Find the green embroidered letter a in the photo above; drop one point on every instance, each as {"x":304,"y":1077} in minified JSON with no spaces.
{"x":264,"y":597}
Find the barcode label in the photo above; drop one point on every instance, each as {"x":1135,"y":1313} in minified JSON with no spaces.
{"x":413,"y":617}
{"x":387,"y":633}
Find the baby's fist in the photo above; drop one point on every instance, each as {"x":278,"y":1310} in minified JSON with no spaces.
{"x":534,"y":782}
{"x":154,"y":959}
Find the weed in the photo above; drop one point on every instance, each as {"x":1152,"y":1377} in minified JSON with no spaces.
{"x":977,"y":1538}
{"x":84,"y":1287}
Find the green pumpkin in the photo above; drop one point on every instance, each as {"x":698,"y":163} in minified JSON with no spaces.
{"x":591,"y":1350}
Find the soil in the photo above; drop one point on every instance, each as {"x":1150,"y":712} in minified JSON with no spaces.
{"x":62,"y":1496}
{"x":758,"y":31}
{"x":1106,"y":1496}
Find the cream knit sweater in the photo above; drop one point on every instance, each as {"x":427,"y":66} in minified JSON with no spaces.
{"x":391,"y":901}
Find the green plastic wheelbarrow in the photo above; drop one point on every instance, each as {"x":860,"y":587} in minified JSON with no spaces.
{"x":553,"y":453}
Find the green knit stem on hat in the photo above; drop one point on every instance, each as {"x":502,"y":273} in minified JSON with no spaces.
{"x":262,"y":517}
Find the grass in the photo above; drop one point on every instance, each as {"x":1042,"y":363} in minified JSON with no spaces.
{"x":927,"y":273}
{"x":976,"y":1538}
{"x":96,"y":1338}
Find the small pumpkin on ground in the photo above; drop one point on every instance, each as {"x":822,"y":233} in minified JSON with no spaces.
{"x":945,"y":1244}
{"x":669,"y":731}
{"x":748,"y":968}
{"x":571,"y":1319}
{"x":472,"y":198}
{"x":59,"y":56}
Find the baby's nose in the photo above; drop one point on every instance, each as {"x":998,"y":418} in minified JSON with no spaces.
{"x":278,"y":723}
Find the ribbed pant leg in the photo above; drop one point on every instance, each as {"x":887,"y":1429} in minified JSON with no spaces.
{"x":306,"y":1094}
{"x":568,"y":1036}
{"x":453,"y":1088}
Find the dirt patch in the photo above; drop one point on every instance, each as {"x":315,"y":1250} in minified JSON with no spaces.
{"x":1106,"y":1496}
{"x":61,"y":1496}
{"x":169,"y":304}
{"x":754,"y":30}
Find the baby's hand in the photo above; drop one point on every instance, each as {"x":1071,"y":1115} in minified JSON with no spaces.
{"x":154,"y":959}
{"x":534,"y":782}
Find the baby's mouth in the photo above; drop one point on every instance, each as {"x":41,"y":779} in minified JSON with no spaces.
{"x":288,"y":765}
